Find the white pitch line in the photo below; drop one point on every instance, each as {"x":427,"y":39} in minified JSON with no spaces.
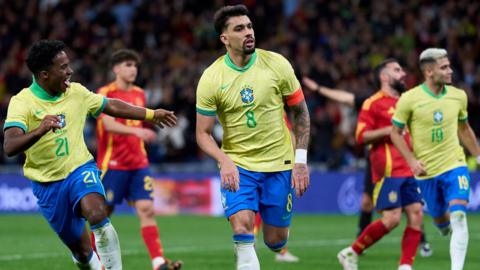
{"x":203,"y":248}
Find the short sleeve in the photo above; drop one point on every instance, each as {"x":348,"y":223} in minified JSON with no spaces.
{"x":206,"y":103}
{"x":289,"y":83}
{"x":17,"y":115}
{"x":463,"y":113}
{"x":402,"y":112}
{"x":366,"y":122}
{"x":95,"y":103}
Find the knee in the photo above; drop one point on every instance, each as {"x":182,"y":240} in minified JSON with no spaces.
{"x":415,"y":218}
{"x":96,"y":215}
{"x":391,"y":222}
{"x":146,"y":212}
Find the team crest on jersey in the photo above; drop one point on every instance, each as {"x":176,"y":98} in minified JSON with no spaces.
{"x":247,"y":95}
{"x":393,"y":197}
{"x":62,"y":120}
{"x":437,"y":117}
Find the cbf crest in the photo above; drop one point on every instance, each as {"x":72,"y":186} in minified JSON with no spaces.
{"x":247,"y":95}
{"x":62,"y":122}
{"x":437,"y":117}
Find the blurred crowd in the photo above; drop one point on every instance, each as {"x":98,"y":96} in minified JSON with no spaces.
{"x":337,"y":43}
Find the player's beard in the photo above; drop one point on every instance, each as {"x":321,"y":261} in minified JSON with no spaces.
{"x":399,"y":86}
{"x":248,"y":51}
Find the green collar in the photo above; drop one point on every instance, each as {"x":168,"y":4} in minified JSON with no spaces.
{"x":425,"y":88}
{"x":229,"y":62}
{"x":39,"y":92}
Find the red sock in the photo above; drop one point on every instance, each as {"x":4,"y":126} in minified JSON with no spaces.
{"x":410,"y":242}
{"x":258,"y":223}
{"x":92,"y":241}
{"x":152,"y":241}
{"x":372,"y":233}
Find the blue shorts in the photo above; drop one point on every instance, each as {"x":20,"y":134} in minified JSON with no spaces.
{"x":440,"y":190}
{"x":59,"y":200}
{"x":396,"y":192}
{"x":132,"y":185}
{"x":269,"y":193}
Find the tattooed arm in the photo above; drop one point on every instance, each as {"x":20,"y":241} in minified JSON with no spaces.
{"x":301,"y":177}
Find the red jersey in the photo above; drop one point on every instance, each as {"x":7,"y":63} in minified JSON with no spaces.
{"x":386,"y":160}
{"x":115,"y":151}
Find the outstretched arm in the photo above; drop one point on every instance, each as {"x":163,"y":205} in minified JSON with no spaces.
{"x":417,"y":166}
{"x":468,"y":139}
{"x":121,"y":109}
{"x":301,"y":177}
{"x":337,"y":95}
{"x":115,"y":127}
{"x":228,"y":171}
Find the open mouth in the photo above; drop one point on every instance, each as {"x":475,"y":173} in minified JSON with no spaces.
{"x":249,"y":42}
{"x":67,"y":82}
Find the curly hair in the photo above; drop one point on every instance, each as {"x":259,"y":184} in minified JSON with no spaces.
{"x":41,"y":54}
{"x":223,"y":14}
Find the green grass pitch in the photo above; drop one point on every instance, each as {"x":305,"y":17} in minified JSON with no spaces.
{"x":27,"y":242}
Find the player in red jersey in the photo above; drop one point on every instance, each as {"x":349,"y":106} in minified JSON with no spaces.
{"x":284,"y":255}
{"x":395,"y":187}
{"x":123,"y":159}
{"x":366,"y":207}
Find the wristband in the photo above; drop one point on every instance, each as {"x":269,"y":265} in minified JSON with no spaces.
{"x":301,"y":156}
{"x":478,"y":159}
{"x":149,"y":114}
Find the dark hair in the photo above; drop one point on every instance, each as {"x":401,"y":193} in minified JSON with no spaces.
{"x":223,"y":14}
{"x":41,"y":54}
{"x":123,"y":55}
{"x":379,"y":68}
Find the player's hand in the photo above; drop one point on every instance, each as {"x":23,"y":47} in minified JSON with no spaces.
{"x":310,"y":84}
{"x":229,"y":175}
{"x":49,"y":122}
{"x":417,"y":167}
{"x":164,"y":118}
{"x":146,"y":134}
{"x":300,"y":178}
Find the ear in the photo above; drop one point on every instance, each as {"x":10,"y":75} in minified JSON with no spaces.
{"x":224,"y":39}
{"x":383,"y":76}
{"x":429,"y":70}
{"x":43,"y":75}
{"x":115,"y":69}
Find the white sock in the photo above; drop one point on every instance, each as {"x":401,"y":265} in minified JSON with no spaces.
{"x":92,"y":264}
{"x":108,"y":246}
{"x":246,"y":256}
{"x":157,"y":261}
{"x":459,"y":239}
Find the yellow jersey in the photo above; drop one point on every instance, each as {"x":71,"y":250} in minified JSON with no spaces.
{"x":56,"y":154}
{"x":249,"y":103}
{"x":433,"y":124}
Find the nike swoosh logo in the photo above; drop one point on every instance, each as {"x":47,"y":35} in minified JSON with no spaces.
{"x":38,"y":112}
{"x":224,"y":86}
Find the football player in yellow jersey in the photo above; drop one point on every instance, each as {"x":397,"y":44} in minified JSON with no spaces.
{"x":247,"y":89}
{"x":46,"y":121}
{"x":435,"y":114}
